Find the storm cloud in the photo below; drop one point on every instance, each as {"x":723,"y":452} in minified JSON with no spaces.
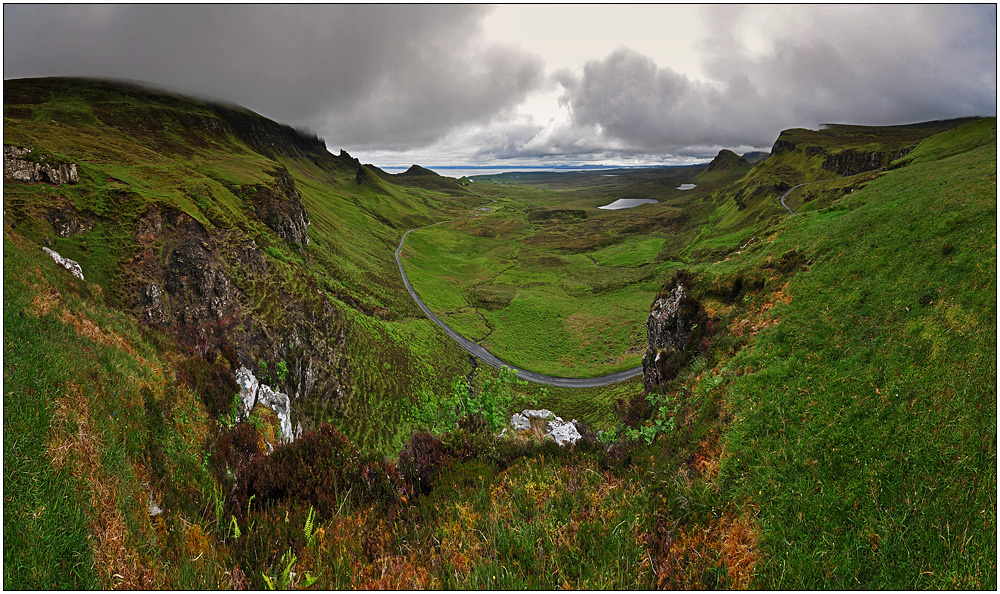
{"x":363,"y":76}
{"x":427,"y":84}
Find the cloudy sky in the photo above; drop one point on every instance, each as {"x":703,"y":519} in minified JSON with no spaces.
{"x":533,"y":84}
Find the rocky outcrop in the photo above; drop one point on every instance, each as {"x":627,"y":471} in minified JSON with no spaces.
{"x":71,"y":265}
{"x":852,"y":161}
{"x":252,"y":392}
{"x":674,"y":330}
{"x":210,"y":290}
{"x":199,"y":287}
{"x":21,"y":164}
{"x":279,"y":206}
{"x":544,"y":423}
{"x":67,"y":221}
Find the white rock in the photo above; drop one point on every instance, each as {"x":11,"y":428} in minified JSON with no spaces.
{"x":545,"y":413}
{"x":564,"y":433}
{"x":66,"y":263}
{"x":252,"y":392}
{"x":519,"y":422}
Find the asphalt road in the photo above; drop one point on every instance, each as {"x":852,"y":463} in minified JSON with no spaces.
{"x":488,"y":358}
{"x":814,"y":182}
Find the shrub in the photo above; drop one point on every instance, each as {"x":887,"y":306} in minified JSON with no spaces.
{"x":420,"y":459}
{"x":322,"y":468}
{"x":233,"y":449}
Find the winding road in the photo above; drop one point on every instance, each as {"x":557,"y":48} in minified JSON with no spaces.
{"x":490,"y":359}
{"x":816,"y":182}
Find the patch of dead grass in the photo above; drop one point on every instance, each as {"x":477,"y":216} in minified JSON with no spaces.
{"x":74,"y":444}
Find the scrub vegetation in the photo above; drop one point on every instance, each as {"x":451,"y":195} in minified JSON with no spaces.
{"x":832,"y":426}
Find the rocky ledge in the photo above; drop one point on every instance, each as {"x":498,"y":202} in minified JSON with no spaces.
{"x":20,"y":165}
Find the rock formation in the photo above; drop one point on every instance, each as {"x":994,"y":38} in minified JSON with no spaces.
{"x":674,"y":330}
{"x":279,"y":206}
{"x":66,"y":263}
{"x":18,"y":165}
{"x":253,"y":392}
{"x":544,"y":423}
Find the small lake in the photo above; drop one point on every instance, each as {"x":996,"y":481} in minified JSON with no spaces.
{"x":627,"y":203}
{"x":687,"y":186}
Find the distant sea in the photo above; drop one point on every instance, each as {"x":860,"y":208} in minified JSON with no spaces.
{"x":458,"y":171}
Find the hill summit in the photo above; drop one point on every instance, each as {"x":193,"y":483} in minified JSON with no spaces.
{"x":725,"y":164}
{"x":418,"y":170}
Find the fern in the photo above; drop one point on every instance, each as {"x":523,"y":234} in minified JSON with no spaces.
{"x":308,"y":529}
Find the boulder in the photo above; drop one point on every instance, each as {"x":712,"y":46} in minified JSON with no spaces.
{"x":561,"y":431}
{"x":519,"y":422}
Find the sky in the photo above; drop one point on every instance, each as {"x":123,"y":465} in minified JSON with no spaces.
{"x":527,"y":84}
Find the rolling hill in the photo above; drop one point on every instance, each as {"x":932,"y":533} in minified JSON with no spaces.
{"x":240,"y":393}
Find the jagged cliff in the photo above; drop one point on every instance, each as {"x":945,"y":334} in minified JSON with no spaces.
{"x":675,"y":330}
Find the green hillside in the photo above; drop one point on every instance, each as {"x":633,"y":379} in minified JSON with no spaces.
{"x":829,"y":421}
{"x":726,"y":164}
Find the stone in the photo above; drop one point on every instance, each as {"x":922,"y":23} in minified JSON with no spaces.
{"x":564,"y":433}
{"x":253,"y":392}
{"x":66,"y":263}
{"x":561,"y":431}
{"x":544,"y":414}
{"x":519,"y":422}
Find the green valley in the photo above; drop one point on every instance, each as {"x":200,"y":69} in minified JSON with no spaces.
{"x":241,"y":393}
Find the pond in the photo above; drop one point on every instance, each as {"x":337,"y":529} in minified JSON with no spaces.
{"x":687,"y":186}
{"x":627,"y":203}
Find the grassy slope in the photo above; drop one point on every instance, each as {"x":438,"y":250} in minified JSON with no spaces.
{"x":137,"y":148}
{"x":865,"y":417}
{"x":793,"y":463}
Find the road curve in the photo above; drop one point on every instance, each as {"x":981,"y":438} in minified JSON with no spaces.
{"x":816,"y":182}
{"x":488,"y":358}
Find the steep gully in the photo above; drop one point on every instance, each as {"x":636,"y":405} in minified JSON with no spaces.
{"x":490,"y":359}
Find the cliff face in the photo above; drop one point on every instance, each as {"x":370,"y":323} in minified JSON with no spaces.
{"x":18,"y":166}
{"x":852,"y":161}
{"x":279,"y":206}
{"x":198,"y":285}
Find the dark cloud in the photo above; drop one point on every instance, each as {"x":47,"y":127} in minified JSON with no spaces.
{"x":421,"y":82}
{"x":362,"y":76}
{"x":826,"y":65}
